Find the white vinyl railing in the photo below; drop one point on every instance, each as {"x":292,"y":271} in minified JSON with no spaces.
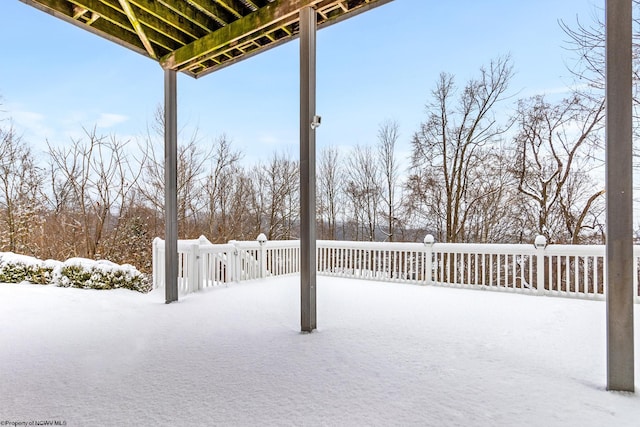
{"x":201,"y":264}
{"x":563,"y":270}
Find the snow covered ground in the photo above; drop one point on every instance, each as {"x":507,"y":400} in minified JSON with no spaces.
{"x":384,"y":354}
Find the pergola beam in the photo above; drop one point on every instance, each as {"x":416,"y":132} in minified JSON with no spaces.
{"x":192,"y":53}
{"x":137,"y":26}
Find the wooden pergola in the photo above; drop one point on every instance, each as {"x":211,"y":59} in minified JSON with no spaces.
{"x":197,"y":37}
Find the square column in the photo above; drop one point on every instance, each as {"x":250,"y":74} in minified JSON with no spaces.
{"x":308,"y":26}
{"x":619,"y":284}
{"x":170,"y":186}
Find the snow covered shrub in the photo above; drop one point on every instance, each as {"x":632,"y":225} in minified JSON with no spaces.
{"x":20,"y":268}
{"x":89,"y":274}
{"x":75,"y":272}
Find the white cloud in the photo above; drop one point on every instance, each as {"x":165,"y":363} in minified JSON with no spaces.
{"x":107,"y":120}
{"x":27,"y":118}
{"x":72,"y":118}
{"x":33,"y":126}
{"x":269,"y":140}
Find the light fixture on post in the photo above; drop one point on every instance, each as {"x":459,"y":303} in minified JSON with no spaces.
{"x":315,"y":123}
{"x":429,"y":240}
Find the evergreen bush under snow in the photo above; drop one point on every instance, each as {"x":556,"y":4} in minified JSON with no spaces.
{"x":21,"y":268}
{"x":75,"y":272}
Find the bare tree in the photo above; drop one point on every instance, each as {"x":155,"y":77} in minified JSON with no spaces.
{"x":497,"y":216}
{"x":582,"y":209}
{"x":553,"y":149}
{"x":451,"y":144}
{"x":388,"y":134}
{"x":586,"y":39}
{"x":220,"y":188}
{"x":330,"y":186}
{"x":276,"y":196}
{"x":363,"y":190}
{"x":91,"y":182}
{"x":20,"y":193}
{"x":241,"y":213}
{"x":258,"y":198}
{"x":587,"y":42}
{"x":192,"y":159}
{"x":426,"y":203}
{"x":191,"y":181}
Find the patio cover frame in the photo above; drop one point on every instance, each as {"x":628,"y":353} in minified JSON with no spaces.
{"x":197,"y":37}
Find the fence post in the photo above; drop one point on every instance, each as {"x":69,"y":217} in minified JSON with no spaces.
{"x":235,"y":263}
{"x":194,"y":263}
{"x":428,"y":260}
{"x":540,"y":243}
{"x":262,"y":255}
{"x":155,"y":264}
{"x":203,"y":262}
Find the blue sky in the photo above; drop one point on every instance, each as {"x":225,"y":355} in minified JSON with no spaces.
{"x":56,"y":78}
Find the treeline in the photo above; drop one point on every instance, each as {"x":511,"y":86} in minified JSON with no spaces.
{"x":483,"y":167}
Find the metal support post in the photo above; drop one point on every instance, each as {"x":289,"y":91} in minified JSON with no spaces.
{"x":308,"y":24}
{"x":171,"y":186}
{"x":619,"y":285}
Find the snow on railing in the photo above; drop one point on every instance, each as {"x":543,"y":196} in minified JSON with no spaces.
{"x":563,"y":270}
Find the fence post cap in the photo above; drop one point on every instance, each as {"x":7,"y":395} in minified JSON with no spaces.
{"x":262,"y":238}
{"x":429,"y":239}
{"x":540,"y":242}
